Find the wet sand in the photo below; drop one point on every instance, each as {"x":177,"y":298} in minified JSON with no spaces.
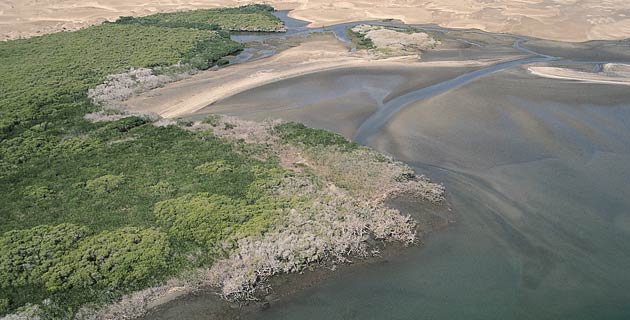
{"x":322,"y":52}
{"x":547,"y":162}
{"x":316,"y":53}
{"x":349,"y":94}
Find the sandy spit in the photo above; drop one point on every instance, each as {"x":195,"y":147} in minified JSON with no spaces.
{"x":320,"y":53}
{"x":581,"y":76}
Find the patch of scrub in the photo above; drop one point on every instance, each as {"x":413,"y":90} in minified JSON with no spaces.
{"x":617,"y":69}
{"x":313,"y":210}
{"x":388,"y":42}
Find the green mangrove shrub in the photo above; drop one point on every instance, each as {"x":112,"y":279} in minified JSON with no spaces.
{"x":4,"y":305}
{"x":292,"y":132}
{"x":212,"y":120}
{"x":255,"y":17}
{"x":125,"y":258}
{"x":38,"y":193}
{"x":206,"y":219}
{"x":214,"y":167}
{"x":27,"y":255}
{"x":104,"y":184}
{"x":163,"y":188}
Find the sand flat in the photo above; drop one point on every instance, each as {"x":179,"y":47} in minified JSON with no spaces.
{"x":561,"y":20}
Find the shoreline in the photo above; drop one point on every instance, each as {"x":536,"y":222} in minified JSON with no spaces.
{"x":340,"y":224}
{"x":282,"y":286}
{"x":150,"y":303}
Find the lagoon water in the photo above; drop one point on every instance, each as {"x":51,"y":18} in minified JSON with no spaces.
{"x":538,"y":175}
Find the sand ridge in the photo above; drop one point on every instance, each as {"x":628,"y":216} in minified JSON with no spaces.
{"x":564,"y":20}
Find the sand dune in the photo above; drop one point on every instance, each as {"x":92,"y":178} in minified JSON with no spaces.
{"x":566,"y":20}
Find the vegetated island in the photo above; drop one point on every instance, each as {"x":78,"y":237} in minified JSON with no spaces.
{"x":105,"y":211}
{"x":387,"y":41}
